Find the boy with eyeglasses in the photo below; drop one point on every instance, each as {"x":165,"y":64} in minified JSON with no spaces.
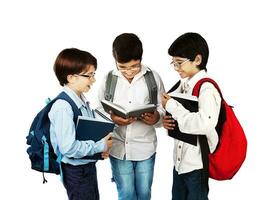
{"x":189,"y":58}
{"x":75,"y":70}
{"x":132,"y":156}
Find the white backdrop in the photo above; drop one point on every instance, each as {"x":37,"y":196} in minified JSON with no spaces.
{"x":34,"y":32}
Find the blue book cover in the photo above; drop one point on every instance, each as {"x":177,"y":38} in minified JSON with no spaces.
{"x":93,"y":129}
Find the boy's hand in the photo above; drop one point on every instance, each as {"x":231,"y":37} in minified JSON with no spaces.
{"x":150,"y":118}
{"x":168,"y":122}
{"x":109,"y":141}
{"x":105,"y":154}
{"x":164,"y":98}
{"x":122,"y":121}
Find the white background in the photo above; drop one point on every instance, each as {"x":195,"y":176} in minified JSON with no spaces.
{"x":32,"y":33}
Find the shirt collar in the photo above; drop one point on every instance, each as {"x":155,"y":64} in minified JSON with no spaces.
{"x":77,"y":100}
{"x":193,"y":80}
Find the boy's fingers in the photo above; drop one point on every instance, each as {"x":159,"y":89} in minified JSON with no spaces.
{"x":167,"y":117}
{"x":169,"y":121}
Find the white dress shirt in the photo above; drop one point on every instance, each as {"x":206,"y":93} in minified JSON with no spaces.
{"x":187,"y":157}
{"x":136,"y":141}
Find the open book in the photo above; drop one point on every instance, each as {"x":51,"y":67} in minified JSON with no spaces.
{"x":190,"y":103}
{"x":126,"y":113}
{"x":95,"y":129}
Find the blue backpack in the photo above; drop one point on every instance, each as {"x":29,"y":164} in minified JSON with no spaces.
{"x":40,"y":151}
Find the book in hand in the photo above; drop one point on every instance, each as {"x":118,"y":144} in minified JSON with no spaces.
{"x":126,"y":113}
{"x":102,"y":114}
{"x":190,"y":103}
{"x":93,"y":129}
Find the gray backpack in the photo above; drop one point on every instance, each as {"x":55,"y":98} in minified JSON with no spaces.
{"x":150,"y":81}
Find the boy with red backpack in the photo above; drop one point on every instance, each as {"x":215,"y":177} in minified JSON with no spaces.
{"x":221,"y":145}
{"x":189,"y":58}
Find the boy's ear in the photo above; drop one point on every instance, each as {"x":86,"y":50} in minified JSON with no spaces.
{"x":198,"y":59}
{"x":70,"y":78}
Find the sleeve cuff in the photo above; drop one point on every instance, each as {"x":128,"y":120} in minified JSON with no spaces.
{"x":171,"y":105}
{"x":100,"y":146}
{"x":161,"y":114}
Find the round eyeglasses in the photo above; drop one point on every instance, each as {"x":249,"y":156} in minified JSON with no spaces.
{"x":178,"y":65}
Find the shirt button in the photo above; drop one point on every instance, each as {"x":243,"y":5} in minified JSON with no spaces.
{"x":129,"y":102}
{"x":179,"y":146}
{"x":179,"y":159}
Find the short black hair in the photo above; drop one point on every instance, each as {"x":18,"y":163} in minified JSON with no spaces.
{"x":127,"y":47}
{"x":72,"y":61}
{"x":189,"y":45}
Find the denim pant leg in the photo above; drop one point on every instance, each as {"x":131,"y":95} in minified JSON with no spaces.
{"x":197,"y":185}
{"x":190,"y":186}
{"x":179,"y":190}
{"x":144,"y":171}
{"x":123,"y":176}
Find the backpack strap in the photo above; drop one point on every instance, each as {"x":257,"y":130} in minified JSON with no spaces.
{"x":149,"y":79}
{"x":75,"y":109}
{"x":198,"y":85}
{"x":152,"y":86}
{"x":175,"y":87}
{"x":202,"y":138}
{"x":76,"y":112}
{"x":110,"y":86}
{"x":222,"y":114}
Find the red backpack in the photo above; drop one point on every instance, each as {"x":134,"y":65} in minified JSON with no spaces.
{"x":230,"y":153}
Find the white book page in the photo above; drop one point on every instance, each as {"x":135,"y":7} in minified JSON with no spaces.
{"x":183,"y":96}
{"x":114,"y":105}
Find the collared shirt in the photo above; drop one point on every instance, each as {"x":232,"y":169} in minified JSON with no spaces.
{"x":187,"y":157}
{"x":62,"y":131}
{"x":136,"y":141}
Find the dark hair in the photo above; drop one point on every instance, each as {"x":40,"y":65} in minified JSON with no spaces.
{"x":72,"y":61}
{"x":127,"y":47}
{"x":189,"y":45}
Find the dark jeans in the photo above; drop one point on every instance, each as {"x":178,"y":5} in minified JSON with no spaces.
{"x":190,"y":186}
{"x":80,"y":181}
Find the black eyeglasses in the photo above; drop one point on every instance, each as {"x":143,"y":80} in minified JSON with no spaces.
{"x":90,"y":76}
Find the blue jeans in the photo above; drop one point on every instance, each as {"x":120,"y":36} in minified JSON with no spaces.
{"x":133,"y":178}
{"x":190,"y":186}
